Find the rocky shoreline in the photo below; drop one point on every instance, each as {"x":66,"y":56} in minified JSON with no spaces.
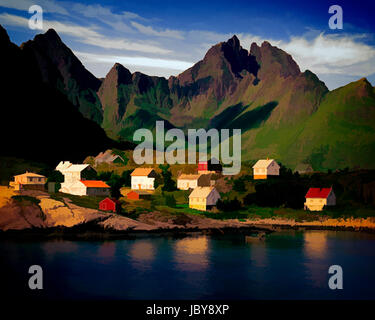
{"x":94,"y":230}
{"x":62,"y":219}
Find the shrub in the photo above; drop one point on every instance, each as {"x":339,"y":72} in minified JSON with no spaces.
{"x":229,"y":205}
{"x":169,"y":183}
{"x":170,"y":201}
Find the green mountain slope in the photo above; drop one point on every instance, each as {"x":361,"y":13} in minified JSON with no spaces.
{"x":342,"y":131}
{"x":283,"y":113}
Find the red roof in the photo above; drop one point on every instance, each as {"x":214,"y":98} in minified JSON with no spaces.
{"x":108,"y":200}
{"x":94,"y":184}
{"x":318,"y":192}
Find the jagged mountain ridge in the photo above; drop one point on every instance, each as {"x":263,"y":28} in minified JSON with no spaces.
{"x":261,"y":91}
{"x":61,"y":69}
{"x":38,"y":122}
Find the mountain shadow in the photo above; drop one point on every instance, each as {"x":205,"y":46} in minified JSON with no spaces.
{"x":246,"y":121}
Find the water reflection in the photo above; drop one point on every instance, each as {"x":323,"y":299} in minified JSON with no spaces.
{"x":142,"y":253}
{"x":107,"y":251}
{"x":258,"y":252}
{"x":51,"y":248}
{"x":315,"y":246}
{"x":315,"y":249}
{"x":191,"y":254}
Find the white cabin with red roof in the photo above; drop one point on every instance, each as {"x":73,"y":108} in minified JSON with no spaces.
{"x":143,"y":179}
{"x":317,"y":198}
{"x":76,"y":180}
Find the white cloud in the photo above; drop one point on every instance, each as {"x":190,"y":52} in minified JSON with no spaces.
{"x":136,"y":61}
{"x":87,"y":35}
{"x":133,"y":16}
{"x":24,"y":5}
{"x":152,"y":32}
{"x":332,"y":54}
{"x":101,"y":27}
{"x":122,"y":44}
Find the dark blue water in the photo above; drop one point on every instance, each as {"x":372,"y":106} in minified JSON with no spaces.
{"x":287,"y":265}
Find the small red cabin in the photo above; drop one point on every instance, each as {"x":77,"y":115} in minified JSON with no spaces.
{"x":202,"y":166}
{"x":109,"y":205}
{"x":138,"y":194}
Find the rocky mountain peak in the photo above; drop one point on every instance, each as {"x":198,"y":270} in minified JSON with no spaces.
{"x":274,"y":60}
{"x":119,"y":75}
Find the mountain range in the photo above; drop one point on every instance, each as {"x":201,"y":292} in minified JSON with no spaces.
{"x":283,"y":113}
{"x":38,"y":121}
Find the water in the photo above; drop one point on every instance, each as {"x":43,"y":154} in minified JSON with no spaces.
{"x":287,"y":265}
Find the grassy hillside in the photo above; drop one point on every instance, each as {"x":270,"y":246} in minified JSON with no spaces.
{"x":341,"y":133}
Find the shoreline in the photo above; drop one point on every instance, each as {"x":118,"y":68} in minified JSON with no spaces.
{"x":52,"y":218}
{"x":94,"y":232}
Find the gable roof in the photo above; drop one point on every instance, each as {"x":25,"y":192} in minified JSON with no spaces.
{"x":304,"y":167}
{"x":185,"y":176}
{"x":77,"y":167}
{"x":140,"y":192}
{"x":113,"y":200}
{"x":142,"y":172}
{"x":30,"y":174}
{"x":264,"y":163}
{"x":94,"y":184}
{"x":318,"y":192}
{"x":69,"y":167}
{"x":201,"y":192}
{"x":107,"y":156}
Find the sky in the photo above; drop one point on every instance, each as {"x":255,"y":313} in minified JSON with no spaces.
{"x":165,"y":37}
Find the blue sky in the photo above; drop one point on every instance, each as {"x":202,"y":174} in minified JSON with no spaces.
{"x":165,"y":37}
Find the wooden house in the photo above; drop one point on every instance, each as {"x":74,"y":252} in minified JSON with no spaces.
{"x":191,"y":181}
{"x":264,"y":168}
{"x":304,"y":168}
{"x":95,"y":188}
{"x":28,"y":180}
{"x":143,"y":179}
{"x":211,"y":166}
{"x":317,"y":198}
{"x":108,"y":157}
{"x":138,"y":194}
{"x":78,"y":180}
{"x":109,"y":205}
{"x":203,"y":198}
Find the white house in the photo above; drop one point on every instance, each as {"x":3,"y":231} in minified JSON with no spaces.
{"x":143,"y":179}
{"x":77,"y":180}
{"x":203,"y":198}
{"x":108,"y":157}
{"x":191,"y":181}
{"x":264,"y":168}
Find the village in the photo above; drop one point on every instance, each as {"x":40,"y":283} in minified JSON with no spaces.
{"x":203,"y":190}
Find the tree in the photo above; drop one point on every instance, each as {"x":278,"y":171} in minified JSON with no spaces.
{"x":56,"y":177}
{"x":239,"y":185}
{"x":126,"y":178}
{"x":169,"y":183}
{"x":284,"y":171}
{"x":229,"y":205}
{"x":115,"y":184}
